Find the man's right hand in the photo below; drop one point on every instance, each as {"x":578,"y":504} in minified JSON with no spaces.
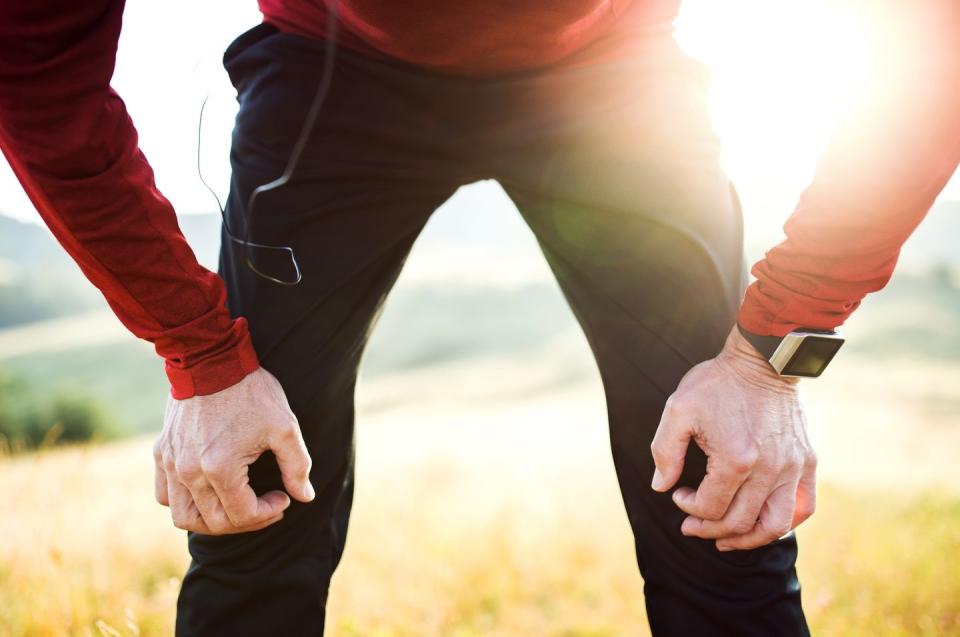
{"x":206,"y":446}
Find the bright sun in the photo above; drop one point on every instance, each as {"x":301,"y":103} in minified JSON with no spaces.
{"x":783,"y":72}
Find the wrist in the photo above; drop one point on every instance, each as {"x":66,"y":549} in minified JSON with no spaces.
{"x":751,"y":365}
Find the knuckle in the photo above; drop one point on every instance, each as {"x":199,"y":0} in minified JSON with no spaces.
{"x":806,"y":510}
{"x":695,"y":526}
{"x":187,"y":470}
{"x":285,"y":430}
{"x":774,"y":529}
{"x":220,"y":528}
{"x":179,"y":520}
{"x":712,"y":512}
{"x":212,"y":467}
{"x":301,"y":463}
{"x":304,"y":472}
{"x":743,"y":462}
{"x":672,"y":402}
{"x":792,"y":465}
{"x":243,"y":519}
{"x":812,"y":460}
{"x":656,"y":448}
{"x":678,"y":407}
{"x":168,"y":463}
{"x":740,"y":527}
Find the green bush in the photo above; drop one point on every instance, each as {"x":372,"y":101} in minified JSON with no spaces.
{"x":28,"y":421}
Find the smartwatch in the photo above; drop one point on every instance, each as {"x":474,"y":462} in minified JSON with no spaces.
{"x":803,"y":352}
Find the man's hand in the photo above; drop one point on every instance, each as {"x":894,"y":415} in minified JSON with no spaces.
{"x":208,"y":442}
{"x":761,"y":467}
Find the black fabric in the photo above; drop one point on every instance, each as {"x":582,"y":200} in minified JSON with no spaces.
{"x":763,"y":343}
{"x":616,"y":171}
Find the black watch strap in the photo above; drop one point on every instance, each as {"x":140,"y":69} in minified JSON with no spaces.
{"x":763,"y":343}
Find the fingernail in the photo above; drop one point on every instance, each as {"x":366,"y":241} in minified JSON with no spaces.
{"x":723,"y":548}
{"x":308,"y":491}
{"x":657,"y":484}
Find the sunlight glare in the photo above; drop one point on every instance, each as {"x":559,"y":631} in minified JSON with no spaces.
{"x":783,"y":73}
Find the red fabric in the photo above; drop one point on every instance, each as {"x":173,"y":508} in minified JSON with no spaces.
{"x":70,"y":141}
{"x":73,"y":146}
{"x":480,"y":37}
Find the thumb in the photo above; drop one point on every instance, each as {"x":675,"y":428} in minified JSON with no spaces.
{"x":669,"y":448}
{"x":294,"y":462}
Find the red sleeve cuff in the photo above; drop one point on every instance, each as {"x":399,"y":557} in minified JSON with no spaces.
{"x":769,"y":309}
{"x":216,"y":371}
{"x":753,"y":319}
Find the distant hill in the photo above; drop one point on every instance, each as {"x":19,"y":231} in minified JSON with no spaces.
{"x":479,"y":227}
{"x":39,"y":280}
{"x":492,"y":224}
{"x":484,"y":218}
{"x":28,"y":244}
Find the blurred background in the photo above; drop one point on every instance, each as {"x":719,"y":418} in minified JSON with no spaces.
{"x":487,"y":502}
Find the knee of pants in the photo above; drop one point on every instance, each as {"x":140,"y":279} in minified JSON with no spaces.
{"x":693,"y":566}
{"x":275,"y":580}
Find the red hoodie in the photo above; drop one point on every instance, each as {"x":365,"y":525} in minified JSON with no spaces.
{"x":71,"y":143}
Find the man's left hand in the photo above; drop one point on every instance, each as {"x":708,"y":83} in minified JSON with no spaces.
{"x":761,"y":468}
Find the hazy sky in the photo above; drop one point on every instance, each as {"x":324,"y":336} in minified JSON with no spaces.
{"x":774,"y":93}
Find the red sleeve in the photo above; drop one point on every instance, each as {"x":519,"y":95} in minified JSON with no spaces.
{"x":882,"y":172}
{"x":69,"y":139}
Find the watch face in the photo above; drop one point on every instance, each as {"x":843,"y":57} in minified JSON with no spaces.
{"x":812,"y":356}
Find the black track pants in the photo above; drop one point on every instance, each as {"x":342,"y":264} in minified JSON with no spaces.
{"x":615,"y":169}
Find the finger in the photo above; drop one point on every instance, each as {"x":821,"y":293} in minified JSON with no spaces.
{"x":208,"y":504}
{"x":739,"y":518}
{"x":269,"y":508}
{"x":294,"y":461}
{"x":773,"y":523}
{"x":712,"y":498}
{"x":183,"y":511}
{"x":160,"y":485}
{"x":239,"y":501}
{"x":189,"y":473}
{"x":159,"y":476}
{"x":669,"y":447}
{"x":806,"y":496}
{"x":264,"y":524}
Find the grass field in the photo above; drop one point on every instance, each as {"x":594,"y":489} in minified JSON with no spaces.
{"x":517,"y":527}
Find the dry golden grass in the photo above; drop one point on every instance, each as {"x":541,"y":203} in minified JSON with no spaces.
{"x":480,"y":517}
